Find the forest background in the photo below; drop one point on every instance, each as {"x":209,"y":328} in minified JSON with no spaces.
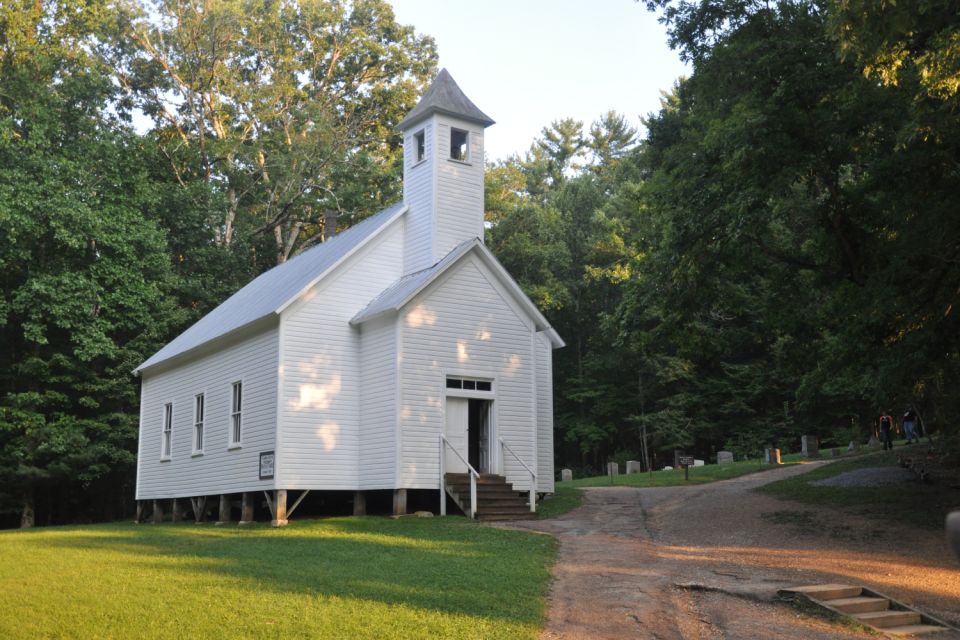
{"x":777,"y":254}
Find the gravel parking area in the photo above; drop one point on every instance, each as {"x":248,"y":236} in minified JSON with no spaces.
{"x":706,"y":561}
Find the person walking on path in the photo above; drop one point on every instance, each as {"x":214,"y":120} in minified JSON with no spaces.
{"x":886,"y":430}
{"x":909,"y":422}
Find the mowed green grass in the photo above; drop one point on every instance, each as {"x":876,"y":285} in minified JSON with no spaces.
{"x":336,"y":578}
{"x":675,"y":477}
{"x":564,"y":498}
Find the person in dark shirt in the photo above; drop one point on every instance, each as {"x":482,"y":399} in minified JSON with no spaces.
{"x":886,"y":430}
{"x":909,"y":425}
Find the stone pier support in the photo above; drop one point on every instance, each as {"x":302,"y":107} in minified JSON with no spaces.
{"x":157,"y":512}
{"x":399,"y":502}
{"x":176,"y":511}
{"x":223,"y":515}
{"x":359,"y":503}
{"x":280,"y":508}
{"x":246,"y":509}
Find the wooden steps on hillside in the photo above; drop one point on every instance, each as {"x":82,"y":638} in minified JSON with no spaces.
{"x":496,"y":498}
{"x":873,"y":609}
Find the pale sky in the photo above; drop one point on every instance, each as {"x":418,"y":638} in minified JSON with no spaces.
{"x":526,"y":63}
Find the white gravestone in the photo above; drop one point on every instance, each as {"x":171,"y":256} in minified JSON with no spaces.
{"x":724,"y":457}
{"x":613,"y":469}
{"x":633,"y":466}
{"x":566,"y":475}
{"x":698,"y":463}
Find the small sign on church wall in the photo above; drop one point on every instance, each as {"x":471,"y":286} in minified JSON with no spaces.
{"x":267,"y":460}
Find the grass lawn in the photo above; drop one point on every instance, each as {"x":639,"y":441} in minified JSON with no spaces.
{"x":335,"y":578}
{"x":565,"y":498}
{"x":675,"y":477}
{"x":912,"y":502}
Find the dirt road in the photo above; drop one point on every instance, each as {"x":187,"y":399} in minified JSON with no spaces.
{"x":706,"y":561}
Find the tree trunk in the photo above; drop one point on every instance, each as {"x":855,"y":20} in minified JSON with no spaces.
{"x":28,"y":516}
{"x":231,"y":217}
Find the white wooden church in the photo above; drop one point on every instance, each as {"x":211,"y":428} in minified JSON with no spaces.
{"x":398,"y":355}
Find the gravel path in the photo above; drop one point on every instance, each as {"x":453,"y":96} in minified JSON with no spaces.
{"x":705,"y":561}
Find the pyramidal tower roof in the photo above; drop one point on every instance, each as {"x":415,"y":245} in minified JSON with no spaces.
{"x":444,"y":96}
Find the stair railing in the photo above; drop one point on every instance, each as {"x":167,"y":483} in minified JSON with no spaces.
{"x":474,"y":476}
{"x":533,"y":476}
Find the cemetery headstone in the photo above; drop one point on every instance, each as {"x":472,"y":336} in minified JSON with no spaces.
{"x":566,"y":475}
{"x":809,"y":448}
{"x":771,"y":455}
{"x":874,"y":442}
{"x":633,"y":466}
{"x":953,"y":532}
{"x":698,"y":463}
{"x":724,"y":457}
{"x":613,"y":469}
{"x":853,"y":447}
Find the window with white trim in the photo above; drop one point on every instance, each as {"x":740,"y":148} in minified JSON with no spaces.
{"x":167,"y":438}
{"x":420,"y":143}
{"x":198,"y":406}
{"x":469,"y":384}
{"x":459,"y":145}
{"x":236,"y":414}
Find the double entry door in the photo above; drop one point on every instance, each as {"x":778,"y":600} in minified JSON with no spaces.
{"x":468,"y":432}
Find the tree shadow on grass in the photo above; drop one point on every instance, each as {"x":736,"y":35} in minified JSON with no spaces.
{"x":439,"y":565}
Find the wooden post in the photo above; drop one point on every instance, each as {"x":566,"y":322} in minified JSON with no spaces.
{"x":141,"y":507}
{"x":157,"y":512}
{"x":399,"y":502}
{"x":176,"y":514}
{"x":199,"y":508}
{"x":359,"y":503}
{"x":224,"y":514}
{"x":280,"y":507}
{"x":246,"y":509}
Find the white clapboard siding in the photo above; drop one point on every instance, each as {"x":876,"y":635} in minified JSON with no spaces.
{"x":419,"y":195}
{"x":378,"y":404}
{"x":219,"y":470}
{"x":464,"y":324}
{"x":320,"y":385}
{"x":459,"y":189}
{"x":545,"y":479}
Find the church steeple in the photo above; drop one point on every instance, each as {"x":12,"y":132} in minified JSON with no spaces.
{"x":442,"y":172}
{"x":444,"y":96}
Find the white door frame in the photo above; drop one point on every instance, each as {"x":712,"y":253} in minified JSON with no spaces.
{"x":494,"y":463}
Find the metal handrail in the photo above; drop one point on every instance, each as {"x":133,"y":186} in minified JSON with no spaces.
{"x":533,"y":475}
{"x":474,"y":476}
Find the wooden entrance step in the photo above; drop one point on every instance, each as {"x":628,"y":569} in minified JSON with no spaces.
{"x":496,"y":498}
{"x":870,"y":608}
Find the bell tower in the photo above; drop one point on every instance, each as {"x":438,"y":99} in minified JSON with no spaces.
{"x":443,"y":169}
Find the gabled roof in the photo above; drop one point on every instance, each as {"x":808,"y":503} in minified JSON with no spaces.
{"x":273,"y":290}
{"x":397,"y":295}
{"x":444,"y":96}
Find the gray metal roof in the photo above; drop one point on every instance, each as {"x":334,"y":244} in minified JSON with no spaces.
{"x":270,"y":292}
{"x":444,"y":96}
